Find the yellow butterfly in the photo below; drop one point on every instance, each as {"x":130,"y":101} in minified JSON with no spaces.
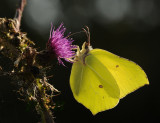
{"x":99,"y":79}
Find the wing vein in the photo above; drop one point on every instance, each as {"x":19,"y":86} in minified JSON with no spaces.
{"x":80,"y":81}
{"x":98,"y":74}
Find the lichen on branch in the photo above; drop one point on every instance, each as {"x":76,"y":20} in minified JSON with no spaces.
{"x":29,"y":66}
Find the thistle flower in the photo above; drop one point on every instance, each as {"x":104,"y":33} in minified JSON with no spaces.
{"x":59,"y":45}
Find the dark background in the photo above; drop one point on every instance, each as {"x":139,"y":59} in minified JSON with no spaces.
{"x":129,"y":28}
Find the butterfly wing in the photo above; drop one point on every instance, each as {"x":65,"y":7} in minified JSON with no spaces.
{"x":128,"y":75}
{"x":93,"y":85}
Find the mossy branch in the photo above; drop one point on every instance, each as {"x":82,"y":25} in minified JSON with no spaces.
{"x":29,"y":65}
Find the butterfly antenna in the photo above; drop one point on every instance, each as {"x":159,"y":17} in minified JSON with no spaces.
{"x":88,"y":34}
{"x":74,"y":34}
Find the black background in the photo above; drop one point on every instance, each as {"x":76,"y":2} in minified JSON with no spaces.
{"x":129,"y":37}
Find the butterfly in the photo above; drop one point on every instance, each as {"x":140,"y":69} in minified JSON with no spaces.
{"x":99,"y":79}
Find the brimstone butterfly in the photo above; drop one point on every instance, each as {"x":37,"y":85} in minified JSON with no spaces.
{"x":99,"y":79}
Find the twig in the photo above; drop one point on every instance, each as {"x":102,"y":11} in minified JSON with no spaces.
{"x":18,"y":15}
{"x":15,"y":45}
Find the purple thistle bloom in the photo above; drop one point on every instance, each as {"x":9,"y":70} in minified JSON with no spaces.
{"x":61,"y":46}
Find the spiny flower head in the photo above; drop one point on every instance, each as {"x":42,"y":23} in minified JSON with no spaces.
{"x":59,"y":45}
